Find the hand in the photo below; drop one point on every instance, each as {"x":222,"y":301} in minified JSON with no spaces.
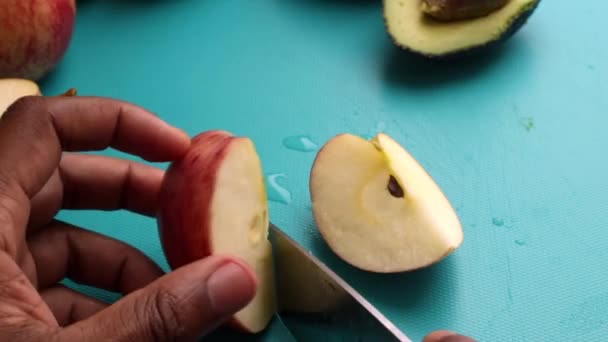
{"x":40,"y":173}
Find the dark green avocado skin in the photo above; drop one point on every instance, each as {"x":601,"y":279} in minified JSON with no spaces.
{"x":513,"y":29}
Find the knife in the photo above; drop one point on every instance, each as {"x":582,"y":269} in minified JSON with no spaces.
{"x":315,"y":304}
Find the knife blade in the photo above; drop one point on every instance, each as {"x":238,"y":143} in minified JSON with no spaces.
{"x":315,"y":304}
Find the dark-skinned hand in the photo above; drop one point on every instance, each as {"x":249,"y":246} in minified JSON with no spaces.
{"x":41,"y":172}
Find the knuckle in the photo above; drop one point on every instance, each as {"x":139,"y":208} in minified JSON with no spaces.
{"x":165,"y":315}
{"x":31,"y":112}
{"x":24,"y":104}
{"x":27,"y":108}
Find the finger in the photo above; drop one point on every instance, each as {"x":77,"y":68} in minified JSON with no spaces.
{"x":95,"y":182}
{"x":46,"y":203}
{"x":182,"y":305}
{"x":35,"y":130}
{"x":446,"y":336}
{"x":89,"y":258}
{"x":70,"y":306}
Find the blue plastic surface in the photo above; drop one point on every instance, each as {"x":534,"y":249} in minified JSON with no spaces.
{"x":516,"y":138}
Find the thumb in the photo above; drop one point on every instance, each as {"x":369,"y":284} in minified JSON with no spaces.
{"x":182,"y":305}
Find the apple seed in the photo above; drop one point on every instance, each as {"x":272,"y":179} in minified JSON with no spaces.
{"x":394,"y":188}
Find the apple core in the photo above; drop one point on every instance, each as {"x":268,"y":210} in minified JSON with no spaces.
{"x":258,"y":227}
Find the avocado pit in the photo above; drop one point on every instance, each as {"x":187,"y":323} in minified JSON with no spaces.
{"x":452,"y":10}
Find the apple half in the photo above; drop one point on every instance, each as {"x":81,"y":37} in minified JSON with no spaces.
{"x":213,"y":201}
{"x":377,"y":208}
{"x":12,"y":89}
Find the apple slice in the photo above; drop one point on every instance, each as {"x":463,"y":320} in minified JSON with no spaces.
{"x":213,"y":201}
{"x":377,"y":208}
{"x":12,"y":89}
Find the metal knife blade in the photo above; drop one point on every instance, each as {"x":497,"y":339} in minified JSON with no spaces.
{"x":317,"y":305}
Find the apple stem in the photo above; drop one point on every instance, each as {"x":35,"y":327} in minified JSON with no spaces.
{"x":70,"y":92}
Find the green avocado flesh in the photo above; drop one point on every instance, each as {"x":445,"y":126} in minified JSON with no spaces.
{"x":413,"y":30}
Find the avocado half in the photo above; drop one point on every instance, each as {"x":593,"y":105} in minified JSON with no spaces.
{"x":413,"y":30}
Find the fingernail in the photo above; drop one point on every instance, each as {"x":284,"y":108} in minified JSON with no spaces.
{"x":230,"y":288}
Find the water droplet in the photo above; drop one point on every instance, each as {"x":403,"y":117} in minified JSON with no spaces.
{"x":302,"y":143}
{"x":503,"y":222}
{"x":498,"y":222}
{"x":520,"y":242}
{"x":277,"y":192}
{"x":527,"y":123}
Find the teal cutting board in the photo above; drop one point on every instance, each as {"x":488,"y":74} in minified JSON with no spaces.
{"x":516,"y":138}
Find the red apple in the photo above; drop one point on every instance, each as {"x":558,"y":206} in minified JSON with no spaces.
{"x":34,"y":37}
{"x":213,"y":201}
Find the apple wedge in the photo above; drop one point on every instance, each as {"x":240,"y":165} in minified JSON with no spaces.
{"x":377,"y":208}
{"x":12,"y":89}
{"x":213,"y":201}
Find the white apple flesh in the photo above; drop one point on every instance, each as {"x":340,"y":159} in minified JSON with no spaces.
{"x":12,"y":89}
{"x":378,"y":209}
{"x":213,"y":201}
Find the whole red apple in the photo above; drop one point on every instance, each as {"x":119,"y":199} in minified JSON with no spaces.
{"x":34,"y":36}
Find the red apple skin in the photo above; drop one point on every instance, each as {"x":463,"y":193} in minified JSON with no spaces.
{"x":34,"y":37}
{"x":185,"y":196}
